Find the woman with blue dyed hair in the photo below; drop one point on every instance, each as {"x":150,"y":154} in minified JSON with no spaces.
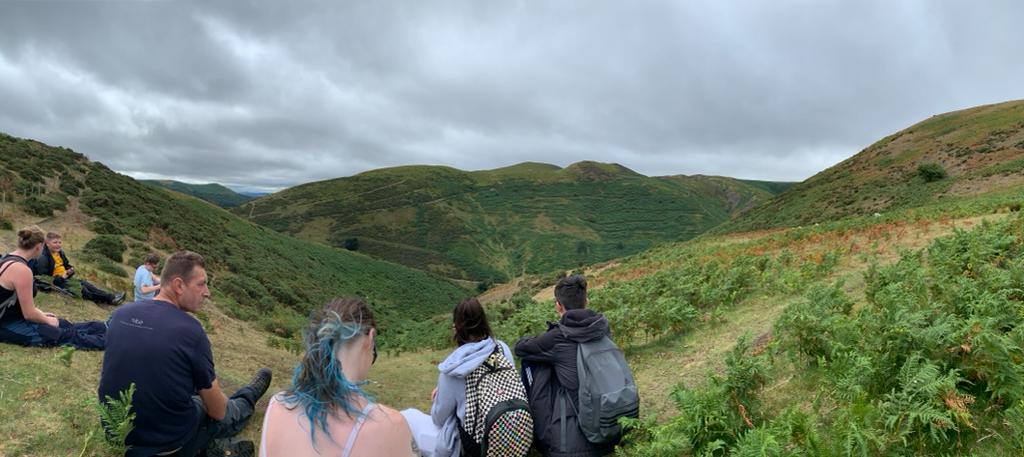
{"x":326,"y":412}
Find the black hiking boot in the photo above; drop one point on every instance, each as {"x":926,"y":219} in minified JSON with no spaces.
{"x":118,"y":299}
{"x":257,"y":386}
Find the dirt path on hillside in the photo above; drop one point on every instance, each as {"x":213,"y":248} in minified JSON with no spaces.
{"x":659,"y":367}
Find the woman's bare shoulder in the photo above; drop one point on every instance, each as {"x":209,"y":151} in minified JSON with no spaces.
{"x":389,"y":417}
{"x":392,"y":431}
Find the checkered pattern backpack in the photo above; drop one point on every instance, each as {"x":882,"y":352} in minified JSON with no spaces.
{"x":498,"y":421}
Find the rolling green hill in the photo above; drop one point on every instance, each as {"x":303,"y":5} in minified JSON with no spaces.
{"x":258,"y":275}
{"x":213,"y":192}
{"x":493,"y":225}
{"x":979,"y":150}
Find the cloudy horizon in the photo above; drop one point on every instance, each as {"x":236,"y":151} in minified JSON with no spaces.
{"x":263,"y":95}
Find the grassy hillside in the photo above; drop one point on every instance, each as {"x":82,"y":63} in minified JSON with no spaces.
{"x":494,"y":225}
{"x":955,"y":155}
{"x":678,"y":312}
{"x":213,"y":192}
{"x":891,"y":335}
{"x":894,"y":335}
{"x":258,"y":274}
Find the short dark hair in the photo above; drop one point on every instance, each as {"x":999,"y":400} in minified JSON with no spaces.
{"x":571,"y":292}
{"x":181,"y":264}
{"x":470,"y":322}
{"x":50,"y":236}
{"x":152,"y":259}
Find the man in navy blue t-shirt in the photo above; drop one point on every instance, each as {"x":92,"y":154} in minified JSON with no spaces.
{"x":157,"y":346}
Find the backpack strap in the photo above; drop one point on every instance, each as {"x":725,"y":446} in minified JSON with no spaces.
{"x":491,"y":368}
{"x":10,"y":259}
{"x":561,"y":399}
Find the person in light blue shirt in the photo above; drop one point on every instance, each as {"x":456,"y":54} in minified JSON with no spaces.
{"x":147,"y":285}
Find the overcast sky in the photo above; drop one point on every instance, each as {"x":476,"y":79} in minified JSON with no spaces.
{"x":263,"y":95}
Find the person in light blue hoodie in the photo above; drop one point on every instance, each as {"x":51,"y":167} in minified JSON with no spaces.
{"x":147,"y":285}
{"x":475,"y":342}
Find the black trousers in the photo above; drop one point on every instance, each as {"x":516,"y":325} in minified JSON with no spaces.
{"x":90,"y":291}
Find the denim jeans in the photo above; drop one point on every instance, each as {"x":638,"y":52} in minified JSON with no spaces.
{"x":240,"y":408}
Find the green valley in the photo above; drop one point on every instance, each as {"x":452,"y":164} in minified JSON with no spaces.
{"x":856,"y":335}
{"x":214,"y":193}
{"x":494,"y":225}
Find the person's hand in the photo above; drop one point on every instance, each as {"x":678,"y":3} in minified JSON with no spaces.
{"x":433,"y":394}
{"x":49,"y":315}
{"x":66,"y":275}
{"x":52,"y":320}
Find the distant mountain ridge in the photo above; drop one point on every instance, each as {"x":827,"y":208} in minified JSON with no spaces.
{"x":980,"y":150}
{"x":492,"y":225}
{"x":214,"y":193}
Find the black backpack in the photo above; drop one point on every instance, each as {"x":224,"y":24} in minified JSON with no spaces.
{"x":498,"y":421}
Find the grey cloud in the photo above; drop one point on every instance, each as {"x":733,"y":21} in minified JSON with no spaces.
{"x":272,"y":94}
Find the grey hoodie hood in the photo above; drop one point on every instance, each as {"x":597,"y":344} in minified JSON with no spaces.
{"x":583,"y":325}
{"x":450,"y":403}
{"x":467,"y":357}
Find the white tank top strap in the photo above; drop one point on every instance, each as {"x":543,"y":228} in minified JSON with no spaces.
{"x":266,"y":419}
{"x":355,"y":429}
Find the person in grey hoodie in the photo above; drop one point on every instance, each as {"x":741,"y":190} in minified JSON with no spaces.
{"x":475,"y":342}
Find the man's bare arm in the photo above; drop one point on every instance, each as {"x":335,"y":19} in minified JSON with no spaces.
{"x":215,"y":401}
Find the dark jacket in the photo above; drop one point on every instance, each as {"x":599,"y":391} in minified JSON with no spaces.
{"x":551,"y":359}
{"x":43,"y":265}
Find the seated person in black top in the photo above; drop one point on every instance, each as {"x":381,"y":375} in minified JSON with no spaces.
{"x":155,"y":344}
{"x":20,"y":321}
{"x":53,"y":262}
{"x":549,"y":367}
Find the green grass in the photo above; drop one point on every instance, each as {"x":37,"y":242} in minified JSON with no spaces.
{"x":45,"y":406}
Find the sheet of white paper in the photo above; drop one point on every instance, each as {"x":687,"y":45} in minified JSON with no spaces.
{"x":423,"y":430}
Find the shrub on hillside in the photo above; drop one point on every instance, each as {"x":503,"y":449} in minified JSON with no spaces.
{"x":104,"y":227}
{"x":25,"y":188}
{"x":43,"y":206}
{"x":5,"y":224}
{"x":931,"y":171}
{"x":109,"y":266}
{"x":70,"y":185}
{"x":108,"y":246}
{"x":247,"y":291}
{"x":352,"y":244}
